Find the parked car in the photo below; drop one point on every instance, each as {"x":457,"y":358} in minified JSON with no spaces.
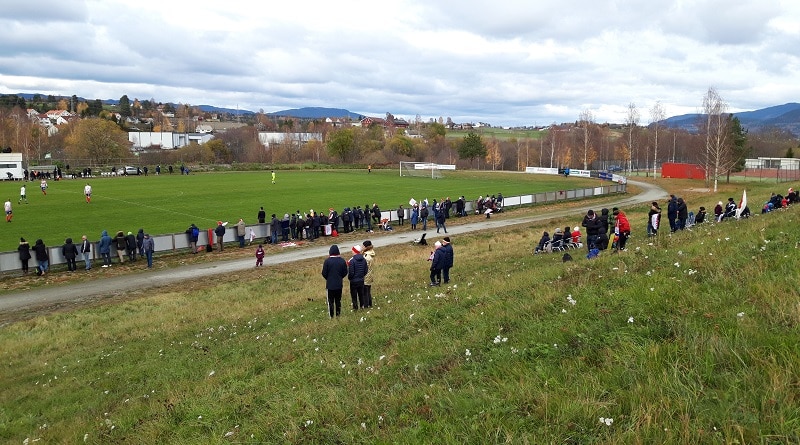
{"x":131,"y":170}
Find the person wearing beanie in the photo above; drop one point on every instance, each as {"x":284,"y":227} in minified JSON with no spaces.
{"x":369,"y":278}
{"x":593,"y":228}
{"x":24,"y":250}
{"x":576,"y":235}
{"x":220,"y":232}
{"x":334,"y":269}
{"x":701,"y":216}
{"x":448,"y":259}
{"x":356,"y":272}
{"x":130,"y":246}
{"x":653,"y":219}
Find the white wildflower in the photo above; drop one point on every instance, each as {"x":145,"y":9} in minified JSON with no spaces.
{"x":630,"y":319}
{"x":740,"y":314}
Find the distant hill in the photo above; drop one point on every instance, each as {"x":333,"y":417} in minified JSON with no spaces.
{"x":785,"y":117}
{"x":317,"y":113}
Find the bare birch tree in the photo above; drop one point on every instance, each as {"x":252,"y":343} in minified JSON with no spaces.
{"x":656,"y":116}
{"x":715,"y":128}
{"x":631,"y":121}
{"x":585,"y":121}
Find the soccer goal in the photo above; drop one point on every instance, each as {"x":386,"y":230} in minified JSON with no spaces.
{"x":421,"y":169}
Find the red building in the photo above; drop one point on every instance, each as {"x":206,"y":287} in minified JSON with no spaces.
{"x":682,"y":171}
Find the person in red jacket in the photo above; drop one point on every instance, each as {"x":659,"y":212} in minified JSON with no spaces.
{"x":622,"y":228}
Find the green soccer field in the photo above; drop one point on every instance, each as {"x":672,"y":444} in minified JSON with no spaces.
{"x":169,"y":203}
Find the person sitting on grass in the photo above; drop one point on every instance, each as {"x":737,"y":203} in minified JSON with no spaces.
{"x":542,"y":242}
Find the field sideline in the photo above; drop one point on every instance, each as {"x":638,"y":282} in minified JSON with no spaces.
{"x":169,"y":203}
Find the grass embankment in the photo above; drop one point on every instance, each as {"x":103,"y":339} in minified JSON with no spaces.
{"x":685,"y":338}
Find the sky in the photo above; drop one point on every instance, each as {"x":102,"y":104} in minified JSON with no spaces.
{"x":506,"y":62}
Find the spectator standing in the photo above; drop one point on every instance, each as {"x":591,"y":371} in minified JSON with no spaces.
{"x":70,"y":252}
{"x":86,"y":250}
{"x":376,"y":213}
{"x":220,"y":232}
{"x":87,"y":192}
{"x":369,"y":278}
{"x":42,"y":257}
{"x":449,"y":255}
{"x":260,"y":256}
{"x":285,"y":222}
{"x":622,"y":228}
{"x":593,"y":227}
{"x":274,"y":229}
{"x":356,"y":271}
{"x":24,"y":250}
{"x":653,"y":219}
{"x":334,"y":269}
{"x":149,"y":247}
{"x":104,"y":247}
{"x":120,"y":244}
{"x":130,"y":246}
{"x":683,"y":214}
{"x":241,"y":231}
{"x":437,"y":263}
{"x":672,"y":213}
{"x":140,"y":241}
{"x":440,"y":220}
{"x":23,"y":195}
{"x":193,"y":232}
{"x":262,"y":216}
{"x":414,"y":216}
{"x":401,"y":215}
{"x":423,"y":215}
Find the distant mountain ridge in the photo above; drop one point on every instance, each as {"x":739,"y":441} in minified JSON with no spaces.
{"x":785,"y":117}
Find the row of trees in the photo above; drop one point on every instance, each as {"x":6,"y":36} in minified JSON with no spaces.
{"x":720,"y":142}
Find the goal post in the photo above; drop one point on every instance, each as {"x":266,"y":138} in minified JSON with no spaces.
{"x":420,"y":169}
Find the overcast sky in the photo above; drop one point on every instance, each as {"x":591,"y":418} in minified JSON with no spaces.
{"x":505,"y":62}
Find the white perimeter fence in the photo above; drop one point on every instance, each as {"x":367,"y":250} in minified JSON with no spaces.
{"x":173,"y":242}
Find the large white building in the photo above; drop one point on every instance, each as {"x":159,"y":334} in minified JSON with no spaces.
{"x":167,"y":140}
{"x":11,"y":166}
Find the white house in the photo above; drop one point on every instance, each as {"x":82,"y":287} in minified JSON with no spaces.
{"x":10,"y":166}
{"x":166,"y":139}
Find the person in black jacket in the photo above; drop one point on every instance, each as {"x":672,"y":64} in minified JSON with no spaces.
{"x":438,"y":262}
{"x":448,"y":259}
{"x":593,"y":228}
{"x":24,"y":250}
{"x":683,"y":214}
{"x":40,"y":250}
{"x":262,"y":215}
{"x":130,"y":246}
{"x":70,"y":252}
{"x":672,"y":213}
{"x":334,"y":269}
{"x":356,"y":271}
{"x":121,"y":245}
{"x":220,"y":232}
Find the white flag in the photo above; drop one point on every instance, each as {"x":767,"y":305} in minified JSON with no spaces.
{"x":742,"y":204}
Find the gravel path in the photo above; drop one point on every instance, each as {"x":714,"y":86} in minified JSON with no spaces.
{"x":64,"y":294}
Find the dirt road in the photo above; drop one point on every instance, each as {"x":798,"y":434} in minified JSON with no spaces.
{"x":27,"y":301}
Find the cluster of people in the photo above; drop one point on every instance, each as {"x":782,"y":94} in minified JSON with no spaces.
{"x":126,"y":245}
{"x":360,"y":273}
{"x":778,"y":201}
{"x":598,"y":233}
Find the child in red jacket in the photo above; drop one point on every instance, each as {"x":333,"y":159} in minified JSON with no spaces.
{"x":260,"y":255}
{"x":622,"y":228}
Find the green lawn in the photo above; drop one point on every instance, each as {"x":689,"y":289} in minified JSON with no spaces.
{"x":169,"y":203}
{"x":690,"y":338}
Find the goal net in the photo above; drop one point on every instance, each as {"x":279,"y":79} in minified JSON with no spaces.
{"x":421,"y":169}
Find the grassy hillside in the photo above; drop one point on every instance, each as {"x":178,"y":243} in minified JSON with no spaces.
{"x":685,"y":338}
